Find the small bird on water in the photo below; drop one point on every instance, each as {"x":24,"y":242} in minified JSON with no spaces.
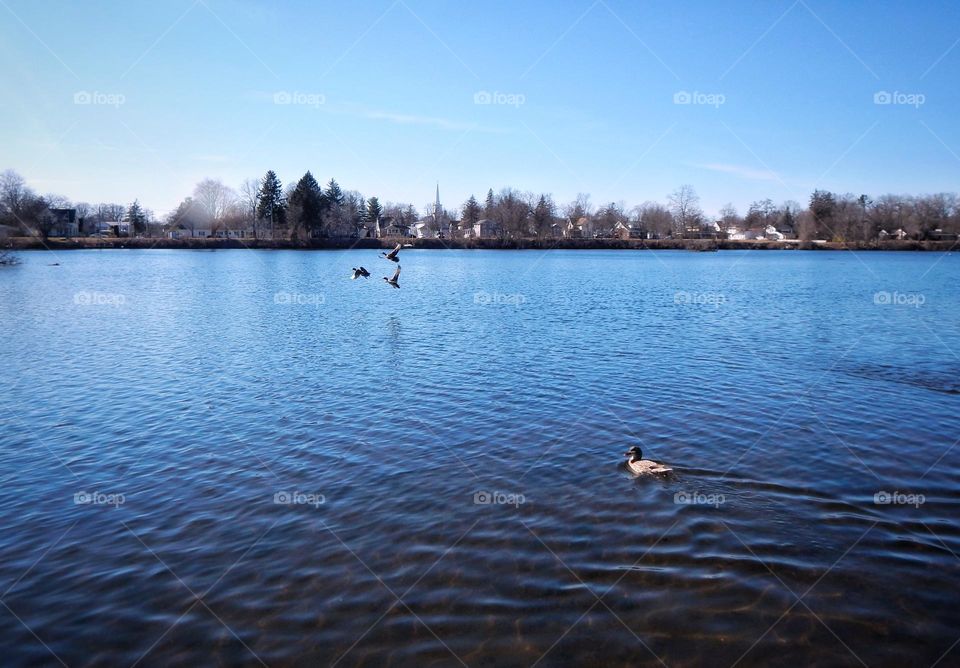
{"x":394,"y":281}
{"x":358,"y":272}
{"x":393,"y":255}
{"x":637,"y":464}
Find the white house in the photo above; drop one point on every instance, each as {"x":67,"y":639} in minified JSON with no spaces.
{"x":771,"y":233}
{"x":389,"y":227}
{"x":181,"y":231}
{"x":486,"y":229}
{"x":573,"y":230}
{"x":423,"y":230}
{"x":898,"y":234}
{"x":226,"y":233}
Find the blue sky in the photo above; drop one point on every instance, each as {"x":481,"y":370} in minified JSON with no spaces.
{"x":382,"y":97}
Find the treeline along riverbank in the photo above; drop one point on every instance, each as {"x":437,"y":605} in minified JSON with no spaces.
{"x":36,"y":243}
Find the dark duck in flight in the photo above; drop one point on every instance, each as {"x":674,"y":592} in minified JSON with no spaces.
{"x":395,"y":280}
{"x":393,"y":255}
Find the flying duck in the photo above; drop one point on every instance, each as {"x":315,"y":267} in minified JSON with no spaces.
{"x":358,"y":272}
{"x":392,"y":255}
{"x":396,"y":277}
{"x":638,"y":465}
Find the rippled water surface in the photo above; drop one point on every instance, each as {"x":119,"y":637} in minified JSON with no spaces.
{"x":186,"y":393}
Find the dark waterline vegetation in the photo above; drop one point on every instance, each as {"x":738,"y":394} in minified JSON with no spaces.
{"x":340,"y":243}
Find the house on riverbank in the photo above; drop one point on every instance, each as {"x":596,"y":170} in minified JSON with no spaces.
{"x":898,"y":234}
{"x":486,"y":229}
{"x":623,"y":231}
{"x":575,"y":230}
{"x":60,"y":222}
{"x":181,"y":231}
{"x":391,"y":227}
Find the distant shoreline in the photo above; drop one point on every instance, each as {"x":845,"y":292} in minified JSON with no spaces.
{"x":88,"y":243}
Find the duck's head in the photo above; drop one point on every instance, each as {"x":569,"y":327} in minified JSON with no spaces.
{"x":634,"y":453}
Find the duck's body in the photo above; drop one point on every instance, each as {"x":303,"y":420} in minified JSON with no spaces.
{"x":358,"y":272}
{"x":392,"y":255}
{"x":395,"y":280}
{"x":640,"y":466}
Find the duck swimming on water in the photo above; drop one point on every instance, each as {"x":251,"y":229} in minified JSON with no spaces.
{"x":637,"y":464}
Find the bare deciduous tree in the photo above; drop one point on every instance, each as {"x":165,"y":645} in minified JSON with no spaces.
{"x":685,"y":206}
{"x":655,"y":219}
{"x":214,"y":199}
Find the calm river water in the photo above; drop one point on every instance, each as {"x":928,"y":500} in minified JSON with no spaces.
{"x":246,"y":458}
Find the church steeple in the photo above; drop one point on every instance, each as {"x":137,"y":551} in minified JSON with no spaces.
{"x":437,"y":209}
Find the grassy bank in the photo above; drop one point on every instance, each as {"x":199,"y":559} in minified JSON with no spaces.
{"x":34,"y":243}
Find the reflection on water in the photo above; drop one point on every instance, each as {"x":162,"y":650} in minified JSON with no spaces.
{"x":206,"y":472}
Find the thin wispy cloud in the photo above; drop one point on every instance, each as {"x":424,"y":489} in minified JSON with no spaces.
{"x":432,"y":121}
{"x":742,"y":172}
{"x":319,"y":102}
{"x":210,"y":158}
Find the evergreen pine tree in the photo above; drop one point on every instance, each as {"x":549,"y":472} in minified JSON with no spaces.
{"x":136,"y":217}
{"x":307,"y":197}
{"x":271,"y":206}
{"x":333,"y":193}
{"x":543,"y":216}
{"x":374,"y":209}
{"x":471,"y":212}
{"x":488,"y":209}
